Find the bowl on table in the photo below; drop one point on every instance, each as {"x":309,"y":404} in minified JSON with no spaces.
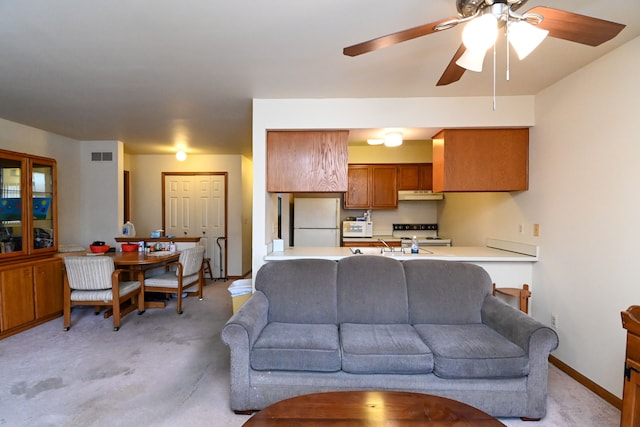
{"x":129,"y":247}
{"x":99,"y":249}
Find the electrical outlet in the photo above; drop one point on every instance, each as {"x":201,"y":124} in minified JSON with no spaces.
{"x":521,"y":229}
{"x":554,"y":321}
{"x":536,"y":230}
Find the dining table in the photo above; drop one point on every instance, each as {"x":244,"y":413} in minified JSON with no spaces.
{"x":140,"y":262}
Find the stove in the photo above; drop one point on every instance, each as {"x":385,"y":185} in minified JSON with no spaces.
{"x":427,"y":234}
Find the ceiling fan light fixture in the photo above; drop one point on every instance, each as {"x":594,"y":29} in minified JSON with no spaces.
{"x":480,"y":33}
{"x":393,"y":139}
{"x":375,"y":141}
{"x":525,"y":37}
{"x":472,"y":60}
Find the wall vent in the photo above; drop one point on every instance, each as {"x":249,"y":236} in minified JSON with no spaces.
{"x":101,"y":157}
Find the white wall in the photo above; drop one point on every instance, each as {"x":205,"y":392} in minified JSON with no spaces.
{"x":583,"y":192}
{"x":101,"y":192}
{"x":585,"y":178}
{"x":146,"y":197}
{"x":363,"y":113}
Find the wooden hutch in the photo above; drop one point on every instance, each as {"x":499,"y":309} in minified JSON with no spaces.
{"x":31,"y":277}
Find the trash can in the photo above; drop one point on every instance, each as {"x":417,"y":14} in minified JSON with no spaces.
{"x":240,"y":291}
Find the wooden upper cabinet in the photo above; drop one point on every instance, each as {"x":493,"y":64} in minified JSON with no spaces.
{"x":415,"y":176}
{"x":481,"y":160}
{"x":384,"y":188}
{"x":372,"y":187}
{"x":357,"y":195}
{"x":307,"y":161}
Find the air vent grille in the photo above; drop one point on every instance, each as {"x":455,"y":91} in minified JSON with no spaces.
{"x":102,"y":156}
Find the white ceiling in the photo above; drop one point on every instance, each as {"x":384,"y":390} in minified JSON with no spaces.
{"x":157,"y":73}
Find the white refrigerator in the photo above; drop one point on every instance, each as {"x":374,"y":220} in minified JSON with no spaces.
{"x":316,"y":222}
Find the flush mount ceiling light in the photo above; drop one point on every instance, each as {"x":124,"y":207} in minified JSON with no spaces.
{"x":181,"y":156}
{"x":393,"y":139}
{"x":375,"y":141}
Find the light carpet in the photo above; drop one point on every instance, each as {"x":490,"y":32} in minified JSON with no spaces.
{"x":165,"y":369}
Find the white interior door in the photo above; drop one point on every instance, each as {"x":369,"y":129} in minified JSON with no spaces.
{"x":179,"y":205}
{"x":210,"y":219}
{"x":195,"y":206}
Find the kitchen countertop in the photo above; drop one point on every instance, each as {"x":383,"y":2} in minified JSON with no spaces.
{"x":495,"y":251}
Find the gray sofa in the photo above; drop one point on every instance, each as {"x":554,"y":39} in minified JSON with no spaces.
{"x":373,"y":322}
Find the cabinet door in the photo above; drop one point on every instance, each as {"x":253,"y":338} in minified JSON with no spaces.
{"x":384,"y":193}
{"x":43,"y":206}
{"x":307,"y":161}
{"x":481,"y":160}
{"x":426,"y":177}
{"x":13,"y":199}
{"x":409,"y":177}
{"x":357,"y":195}
{"x":415,"y":176}
{"x":16,"y":295}
{"x":48,"y":282}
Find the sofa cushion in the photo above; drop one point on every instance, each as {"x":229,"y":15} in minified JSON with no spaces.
{"x":473,"y":351}
{"x":297,"y":347}
{"x":371,"y":289}
{"x":383,"y":349}
{"x":445,"y":292}
{"x":300,"y":290}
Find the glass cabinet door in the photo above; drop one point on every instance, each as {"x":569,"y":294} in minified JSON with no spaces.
{"x":12,"y":212}
{"x":42,"y":205}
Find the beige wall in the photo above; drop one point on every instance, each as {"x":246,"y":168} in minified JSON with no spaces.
{"x":146,"y":197}
{"x":408,"y":152}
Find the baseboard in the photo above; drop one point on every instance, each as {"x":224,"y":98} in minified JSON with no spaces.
{"x":595,"y":388}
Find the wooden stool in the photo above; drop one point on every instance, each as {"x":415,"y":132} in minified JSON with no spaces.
{"x":206,"y":267}
{"x":522,"y":295}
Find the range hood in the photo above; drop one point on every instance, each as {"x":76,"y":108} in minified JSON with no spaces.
{"x":419,"y":195}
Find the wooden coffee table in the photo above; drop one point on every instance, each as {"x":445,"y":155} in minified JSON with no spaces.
{"x":371,"y":408}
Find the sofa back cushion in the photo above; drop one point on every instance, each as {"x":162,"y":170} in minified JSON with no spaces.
{"x":300,"y":290}
{"x":445,"y":292}
{"x":371,"y":289}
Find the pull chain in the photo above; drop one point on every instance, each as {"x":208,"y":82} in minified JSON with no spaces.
{"x":494,"y":77}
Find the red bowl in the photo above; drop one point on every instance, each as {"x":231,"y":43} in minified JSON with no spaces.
{"x":99,"y":249}
{"x":129,"y":247}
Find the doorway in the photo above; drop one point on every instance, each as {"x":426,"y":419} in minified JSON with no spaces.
{"x":195,"y":205}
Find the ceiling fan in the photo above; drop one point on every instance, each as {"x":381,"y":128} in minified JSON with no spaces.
{"x":499,"y":14}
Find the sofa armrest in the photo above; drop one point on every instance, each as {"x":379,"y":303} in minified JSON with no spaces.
{"x":240,"y":333}
{"x":534,"y":337}
{"x":248,"y":321}
{"x":517,"y":326}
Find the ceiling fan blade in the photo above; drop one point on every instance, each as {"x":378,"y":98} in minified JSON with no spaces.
{"x":453,"y":72}
{"x":576,"y":28}
{"x":395,"y":38}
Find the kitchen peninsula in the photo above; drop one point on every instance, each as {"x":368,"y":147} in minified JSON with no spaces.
{"x":510,"y":264}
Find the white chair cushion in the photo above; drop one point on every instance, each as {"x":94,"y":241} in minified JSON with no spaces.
{"x":103,"y":294}
{"x":169,"y":280}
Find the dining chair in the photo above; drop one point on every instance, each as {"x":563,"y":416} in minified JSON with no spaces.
{"x":523,"y":295}
{"x":94,"y":281}
{"x":188,"y":273}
